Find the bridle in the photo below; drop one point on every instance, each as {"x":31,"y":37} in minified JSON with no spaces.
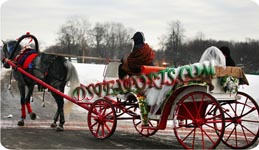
{"x":27,"y":35}
{"x":15,"y":47}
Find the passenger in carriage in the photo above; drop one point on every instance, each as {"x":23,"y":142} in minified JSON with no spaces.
{"x":213,"y":53}
{"x":141,"y":54}
{"x":226,"y":51}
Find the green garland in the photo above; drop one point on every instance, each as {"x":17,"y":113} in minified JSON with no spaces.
{"x":143,"y":110}
{"x":229,"y":84}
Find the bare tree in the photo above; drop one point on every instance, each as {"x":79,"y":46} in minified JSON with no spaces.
{"x":97,"y":34}
{"x":73,"y":36}
{"x":117,"y":40}
{"x":173,"y":42}
{"x":83,"y":36}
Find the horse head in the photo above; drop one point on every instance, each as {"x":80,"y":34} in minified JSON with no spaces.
{"x":11,"y":49}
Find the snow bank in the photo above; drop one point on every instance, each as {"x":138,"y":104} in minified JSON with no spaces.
{"x":252,"y":88}
{"x":89,"y":73}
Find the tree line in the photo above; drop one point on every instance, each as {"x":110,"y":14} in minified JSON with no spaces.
{"x":112,"y":40}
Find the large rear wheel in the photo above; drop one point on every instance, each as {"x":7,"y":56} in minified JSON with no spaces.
{"x":194,"y":118}
{"x":242,"y":123}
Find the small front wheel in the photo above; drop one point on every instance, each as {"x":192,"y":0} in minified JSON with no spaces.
{"x":150,"y":130}
{"x":102,"y":119}
{"x":146,"y":131}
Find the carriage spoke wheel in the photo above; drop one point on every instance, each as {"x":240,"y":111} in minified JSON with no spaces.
{"x":242,"y":124}
{"x":198,"y":121}
{"x":102,"y":119}
{"x":145,"y":131}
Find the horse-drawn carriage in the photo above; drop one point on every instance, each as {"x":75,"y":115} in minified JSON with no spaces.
{"x":201,"y":101}
{"x":202,"y":110}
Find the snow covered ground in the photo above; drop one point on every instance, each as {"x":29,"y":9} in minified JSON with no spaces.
{"x":89,"y":73}
{"x":253,"y":88}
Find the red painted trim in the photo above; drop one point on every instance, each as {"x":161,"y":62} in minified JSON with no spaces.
{"x":28,"y":105}
{"x":166,"y":110}
{"x":23,"y":111}
{"x":28,"y":60}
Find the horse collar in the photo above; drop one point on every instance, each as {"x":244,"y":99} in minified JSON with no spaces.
{"x":25,"y":57}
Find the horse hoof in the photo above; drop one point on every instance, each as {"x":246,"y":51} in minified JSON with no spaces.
{"x":20,"y":123}
{"x":59,"y":129}
{"x":33,"y":116}
{"x":53,"y":125}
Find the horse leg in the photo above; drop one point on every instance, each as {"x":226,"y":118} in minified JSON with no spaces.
{"x":62,"y":117}
{"x":60,"y":111}
{"x":54,"y":124}
{"x":27,"y":102}
{"x":21,"y":87}
{"x":60,"y":103}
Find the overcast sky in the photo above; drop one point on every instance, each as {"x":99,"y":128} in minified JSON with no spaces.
{"x":216,"y":19}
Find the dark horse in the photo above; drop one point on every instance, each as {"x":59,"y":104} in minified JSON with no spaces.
{"x":54,"y":70}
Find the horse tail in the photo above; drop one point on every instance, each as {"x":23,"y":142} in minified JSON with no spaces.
{"x":72,"y":77}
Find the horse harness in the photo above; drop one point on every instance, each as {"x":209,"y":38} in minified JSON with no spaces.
{"x":32,"y":60}
{"x":25,"y":57}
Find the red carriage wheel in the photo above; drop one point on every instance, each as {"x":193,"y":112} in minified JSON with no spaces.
{"x":145,"y":130}
{"x":242,"y":124}
{"x":102,"y":119}
{"x":195,"y":117}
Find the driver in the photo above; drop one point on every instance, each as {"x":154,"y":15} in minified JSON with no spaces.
{"x":141,"y":54}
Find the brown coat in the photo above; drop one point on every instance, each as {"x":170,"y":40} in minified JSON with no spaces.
{"x":137,"y":58}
